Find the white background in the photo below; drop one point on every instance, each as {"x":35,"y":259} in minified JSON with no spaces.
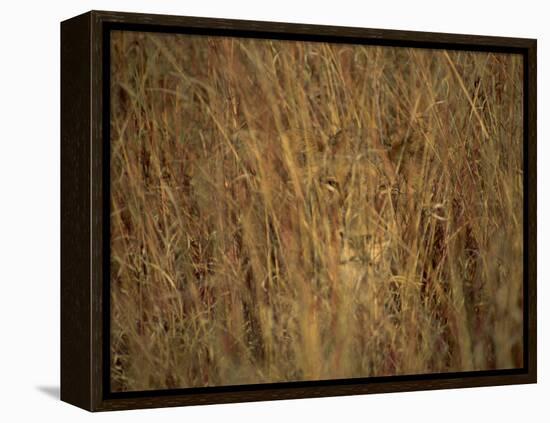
{"x":29,"y":209}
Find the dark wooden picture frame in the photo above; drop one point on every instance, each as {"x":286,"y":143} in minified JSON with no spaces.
{"x":85,"y":215}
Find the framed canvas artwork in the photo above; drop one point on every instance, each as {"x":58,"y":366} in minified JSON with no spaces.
{"x":257,"y":210}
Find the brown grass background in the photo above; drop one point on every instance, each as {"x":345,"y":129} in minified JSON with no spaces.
{"x":285,"y":211}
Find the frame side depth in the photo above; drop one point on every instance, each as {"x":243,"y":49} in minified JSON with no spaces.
{"x":76,"y":298}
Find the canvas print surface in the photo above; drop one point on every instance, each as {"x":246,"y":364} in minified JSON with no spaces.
{"x":298,"y":211}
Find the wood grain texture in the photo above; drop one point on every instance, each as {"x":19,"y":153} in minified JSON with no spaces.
{"x":379,"y":36}
{"x":76,"y":299}
{"x":83,"y":308}
{"x":98,"y":212}
{"x":154,"y":401}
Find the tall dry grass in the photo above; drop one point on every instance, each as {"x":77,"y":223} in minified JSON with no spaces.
{"x":289,"y":211}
